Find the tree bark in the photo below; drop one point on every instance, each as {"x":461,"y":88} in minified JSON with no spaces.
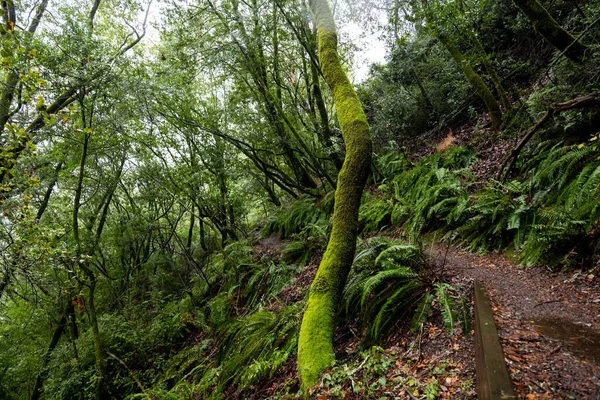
{"x":475,"y":80}
{"x":554,"y":34}
{"x":39,"y":380}
{"x":12,"y":77}
{"x":315,"y":348}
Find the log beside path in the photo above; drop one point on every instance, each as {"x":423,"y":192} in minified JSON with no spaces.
{"x":493,"y":380}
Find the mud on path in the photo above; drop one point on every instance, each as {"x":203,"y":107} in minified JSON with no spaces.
{"x":548,"y":322}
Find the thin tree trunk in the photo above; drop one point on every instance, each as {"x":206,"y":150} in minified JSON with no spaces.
{"x":39,"y":380}
{"x":554,"y":34}
{"x":476,"y":82}
{"x":46,"y":199}
{"x":315,"y":347}
{"x":191,"y":230}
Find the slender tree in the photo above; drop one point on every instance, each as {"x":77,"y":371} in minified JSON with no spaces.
{"x":315,"y":348}
{"x":480,"y":87}
{"x":554,"y":34}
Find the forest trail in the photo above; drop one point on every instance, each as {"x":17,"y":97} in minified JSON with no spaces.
{"x":548,"y":322}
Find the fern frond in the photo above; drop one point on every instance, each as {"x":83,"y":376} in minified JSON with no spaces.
{"x":406,"y":254}
{"x":396,"y":305}
{"x":446,"y":304}
{"x":465,"y":315}
{"x":422,"y":311}
{"x":383,"y":277}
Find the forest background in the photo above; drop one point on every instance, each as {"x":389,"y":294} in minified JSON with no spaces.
{"x":167,"y":196}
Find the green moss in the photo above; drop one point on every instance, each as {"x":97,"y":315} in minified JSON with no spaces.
{"x":476,"y":82}
{"x":547,"y":26}
{"x":315,"y":348}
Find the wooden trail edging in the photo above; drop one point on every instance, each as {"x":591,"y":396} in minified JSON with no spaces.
{"x":493,"y":381}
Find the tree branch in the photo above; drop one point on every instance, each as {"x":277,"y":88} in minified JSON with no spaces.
{"x":579,"y":102}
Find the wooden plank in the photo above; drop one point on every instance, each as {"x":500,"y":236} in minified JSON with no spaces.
{"x":493,"y":381}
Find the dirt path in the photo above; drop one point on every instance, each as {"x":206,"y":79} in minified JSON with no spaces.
{"x":549,"y":323}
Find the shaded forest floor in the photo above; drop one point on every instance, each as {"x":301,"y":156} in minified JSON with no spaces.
{"x":548,"y":323}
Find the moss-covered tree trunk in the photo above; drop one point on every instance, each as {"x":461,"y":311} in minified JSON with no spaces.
{"x":39,"y":380}
{"x":547,"y":26}
{"x":475,"y":80}
{"x":492,"y":73}
{"x":315,"y":348}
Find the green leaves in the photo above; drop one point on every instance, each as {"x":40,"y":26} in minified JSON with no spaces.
{"x":382,"y":287}
{"x":445,"y":299}
{"x":422,"y":311}
{"x":447,"y":307}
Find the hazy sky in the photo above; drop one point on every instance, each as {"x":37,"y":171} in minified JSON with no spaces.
{"x":371,"y":49}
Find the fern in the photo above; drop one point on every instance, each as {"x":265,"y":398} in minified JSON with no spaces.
{"x":374,"y":214}
{"x":398,"y":303}
{"x":465,"y":315}
{"x":405,"y":254}
{"x":262,"y":340}
{"x":295,"y":217}
{"x":433,"y":192}
{"x":422,"y":311}
{"x":447,"y":307}
{"x":392,"y":164}
{"x":381,"y":286}
{"x":383,"y":277}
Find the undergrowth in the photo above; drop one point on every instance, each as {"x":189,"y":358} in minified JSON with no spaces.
{"x":389,"y":281}
{"x":548,"y":214}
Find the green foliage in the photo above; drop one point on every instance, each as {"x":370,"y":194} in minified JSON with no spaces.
{"x":452,"y":307}
{"x":311,"y":239}
{"x":397,"y":108}
{"x":374,"y":214}
{"x":433,"y":191}
{"x":422,"y":311}
{"x":496,"y":216}
{"x":548,"y":215}
{"x":256,"y":346}
{"x":390,"y":164}
{"x":545,"y":216}
{"x":204,"y":155}
{"x":297,"y":216}
{"x":382,"y":285}
{"x":446,"y":304}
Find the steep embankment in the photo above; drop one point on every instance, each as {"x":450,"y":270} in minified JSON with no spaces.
{"x":548,"y":323}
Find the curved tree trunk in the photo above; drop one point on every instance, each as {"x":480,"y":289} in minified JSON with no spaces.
{"x":547,"y":26}
{"x":315,"y":348}
{"x":39,"y":380}
{"x":476,"y":82}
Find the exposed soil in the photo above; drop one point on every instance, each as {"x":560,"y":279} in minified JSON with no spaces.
{"x":270,"y":247}
{"x":548,"y":322}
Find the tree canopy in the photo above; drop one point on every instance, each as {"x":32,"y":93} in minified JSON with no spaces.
{"x":171,"y":173}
